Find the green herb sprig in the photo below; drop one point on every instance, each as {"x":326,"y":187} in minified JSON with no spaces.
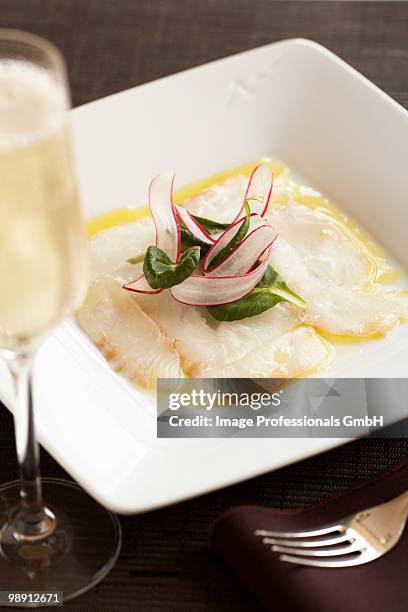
{"x":270,"y":290}
{"x":162,"y":273}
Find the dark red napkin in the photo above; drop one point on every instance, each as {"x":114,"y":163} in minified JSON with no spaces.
{"x":380,"y":586}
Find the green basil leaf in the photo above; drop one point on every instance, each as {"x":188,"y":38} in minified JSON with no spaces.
{"x":268,"y":278}
{"x":272,"y":281}
{"x":270,"y":290}
{"x":188,"y":240}
{"x":212,"y":227}
{"x":235,"y":240}
{"x":254,"y":303}
{"x":162,"y":273}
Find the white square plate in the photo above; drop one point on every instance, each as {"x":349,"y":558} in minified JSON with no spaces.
{"x":292,"y":100}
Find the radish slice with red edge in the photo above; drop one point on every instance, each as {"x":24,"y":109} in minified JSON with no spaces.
{"x":167,"y":228}
{"x":258,"y":191}
{"x":244,"y":257}
{"x":140,"y":285}
{"x":227,"y":235}
{"x":164,"y":215}
{"x":194,"y":226}
{"x":216,"y":290}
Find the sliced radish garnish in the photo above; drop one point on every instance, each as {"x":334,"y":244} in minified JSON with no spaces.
{"x":215,"y":290}
{"x":235,"y":276}
{"x":164,"y":215}
{"x":244,"y":257}
{"x":140,"y":285}
{"x":258,"y":191}
{"x":193,"y":226}
{"x":227,"y":235}
{"x":167,"y":228}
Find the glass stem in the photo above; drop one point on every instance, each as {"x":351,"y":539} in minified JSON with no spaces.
{"x":33,"y":521}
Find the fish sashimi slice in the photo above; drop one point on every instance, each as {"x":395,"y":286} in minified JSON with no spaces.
{"x":295,"y":353}
{"x":185,"y":326}
{"x":202,"y":342}
{"x":326,"y":250}
{"x":336,"y":309}
{"x":354,"y":313}
{"x":129,"y":340}
{"x":110,"y":249}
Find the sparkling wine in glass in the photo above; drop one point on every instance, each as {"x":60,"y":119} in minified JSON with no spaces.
{"x":67,"y":542}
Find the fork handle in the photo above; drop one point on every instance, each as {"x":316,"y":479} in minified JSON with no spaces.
{"x":382,"y":526}
{"x":400,"y":502}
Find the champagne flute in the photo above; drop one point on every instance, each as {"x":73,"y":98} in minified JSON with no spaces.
{"x":70,"y":543}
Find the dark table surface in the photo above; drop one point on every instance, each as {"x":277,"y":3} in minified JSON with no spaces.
{"x":115,"y":44}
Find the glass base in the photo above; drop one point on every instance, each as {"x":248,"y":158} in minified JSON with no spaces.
{"x":78,"y":554}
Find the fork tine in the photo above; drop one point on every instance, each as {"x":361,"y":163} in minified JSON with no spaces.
{"x":328,"y":552}
{"x":358,"y":560}
{"x":300,"y":534}
{"x":309,"y":543}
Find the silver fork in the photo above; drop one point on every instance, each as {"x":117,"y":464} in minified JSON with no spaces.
{"x":356,"y":539}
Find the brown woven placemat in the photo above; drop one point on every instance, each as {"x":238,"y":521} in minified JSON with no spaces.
{"x":114,"y":44}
